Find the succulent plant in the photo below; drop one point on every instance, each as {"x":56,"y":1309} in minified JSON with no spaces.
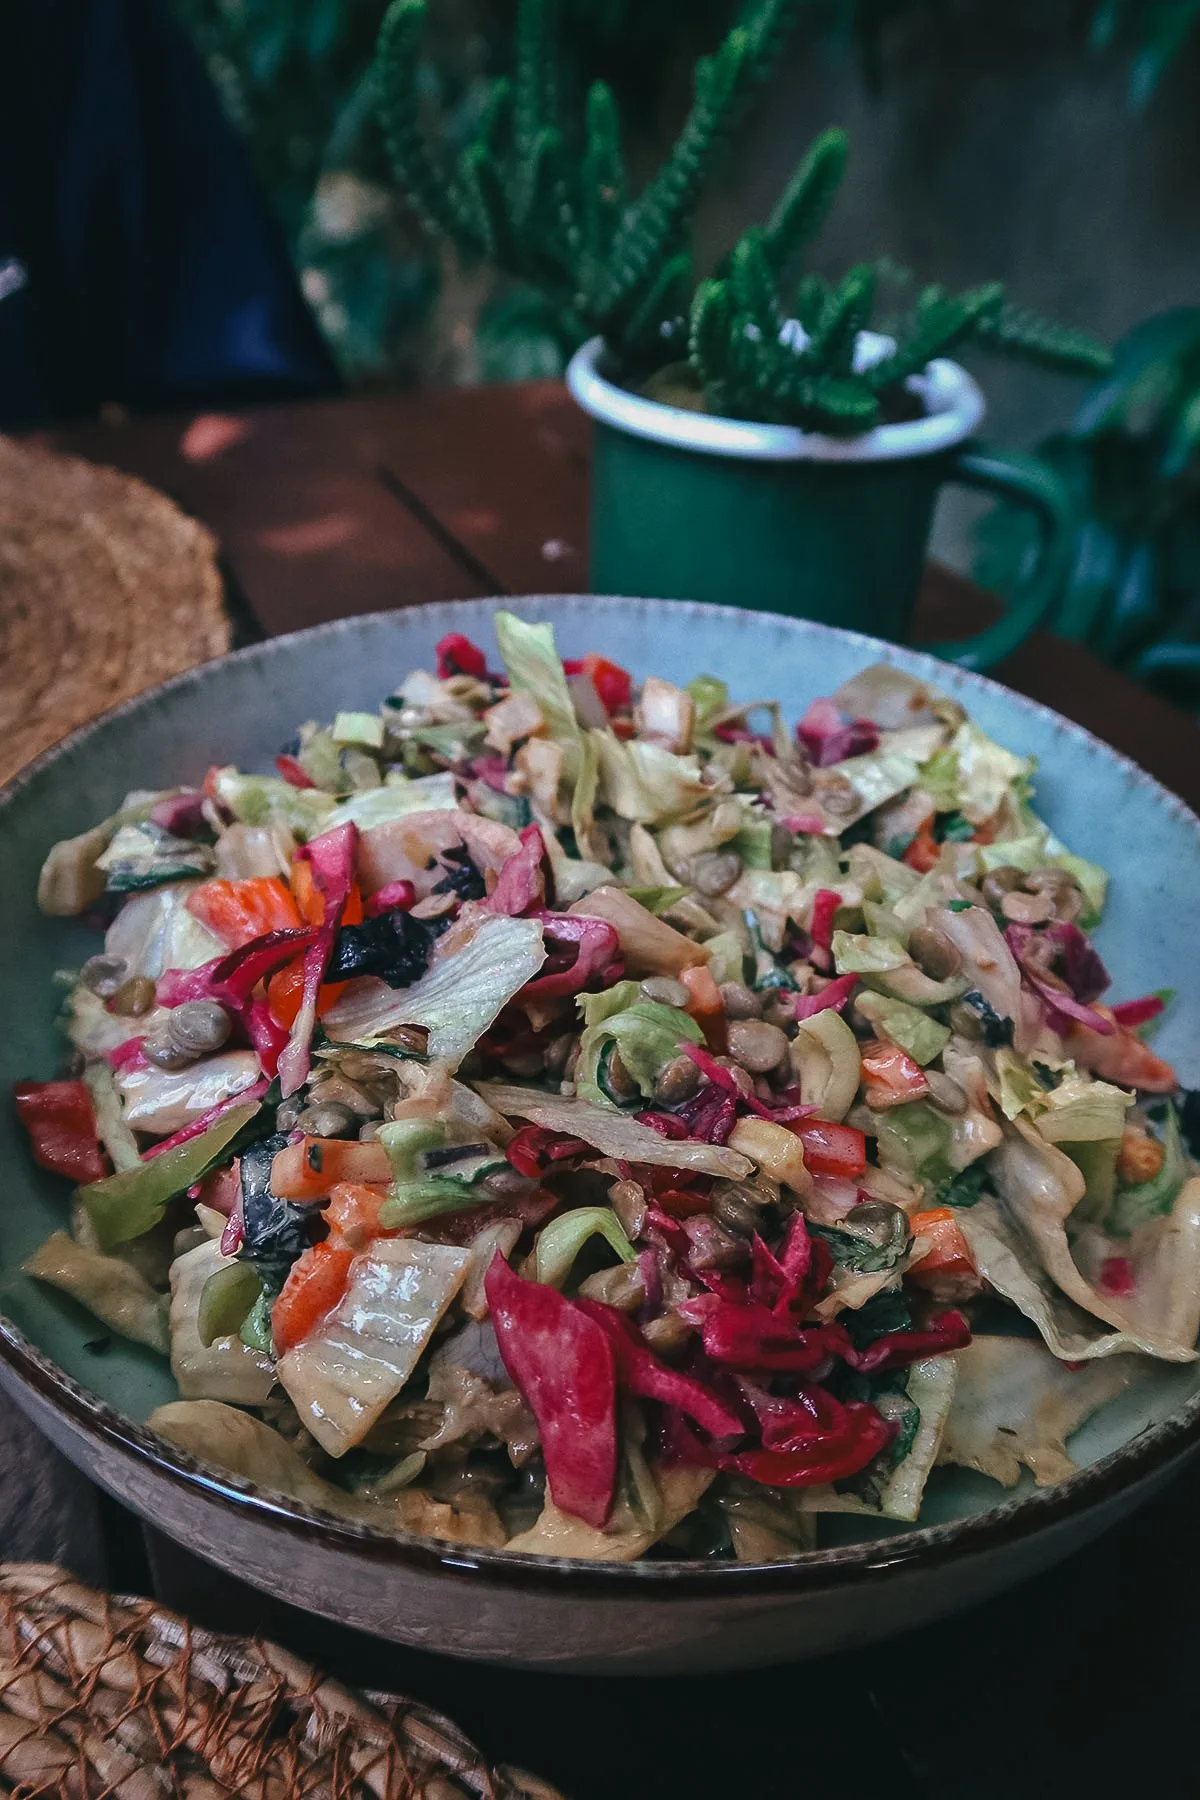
{"x":552,"y":206}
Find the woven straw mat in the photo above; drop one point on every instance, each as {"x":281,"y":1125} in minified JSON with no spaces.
{"x":105,"y":589}
{"x":105,"y":1698}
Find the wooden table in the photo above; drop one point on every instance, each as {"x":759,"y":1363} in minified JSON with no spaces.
{"x":1077,"y":1683}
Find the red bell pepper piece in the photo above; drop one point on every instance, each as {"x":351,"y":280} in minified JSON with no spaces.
{"x":1137,"y":1012}
{"x":565,"y":1367}
{"x":240,"y":912}
{"x":61,"y":1122}
{"x":924,"y":850}
{"x":831,"y":1149}
{"x":294,"y":772}
{"x":891,"y":1075}
{"x":457,"y":655}
{"x":820,"y":930}
{"x":610,"y":681}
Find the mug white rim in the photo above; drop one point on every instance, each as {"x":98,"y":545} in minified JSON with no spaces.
{"x":954,"y":404}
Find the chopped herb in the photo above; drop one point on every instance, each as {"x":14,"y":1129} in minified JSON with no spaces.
{"x":275,"y":1231}
{"x":954,"y":829}
{"x":964,"y":1189}
{"x":997,"y":1032}
{"x":960,"y":906}
{"x":888,"y":1311}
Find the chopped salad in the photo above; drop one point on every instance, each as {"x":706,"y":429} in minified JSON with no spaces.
{"x":559,"y":1115}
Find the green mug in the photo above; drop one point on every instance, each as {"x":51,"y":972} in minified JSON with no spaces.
{"x":692,"y":507}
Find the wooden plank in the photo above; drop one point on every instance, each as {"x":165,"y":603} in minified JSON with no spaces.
{"x":352,"y":506}
{"x":307,"y":527}
{"x":504,"y":471}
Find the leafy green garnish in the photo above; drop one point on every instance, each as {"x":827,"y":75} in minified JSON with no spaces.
{"x":963,"y":1189}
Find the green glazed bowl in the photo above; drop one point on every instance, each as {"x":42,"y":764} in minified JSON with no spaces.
{"x":975,"y":1538}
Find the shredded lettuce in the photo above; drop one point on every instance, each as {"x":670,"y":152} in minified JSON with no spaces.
{"x":826,"y":1059}
{"x":457,"y":998}
{"x":560,"y":1242}
{"x":362,"y":730}
{"x":646,"y":1035}
{"x":893,"y":768}
{"x":396,"y":799}
{"x":711,"y":698}
{"x":267,"y":800}
{"x":1145,"y":1200}
{"x":343,"y":1375}
{"x":1083,"y":1110}
{"x":1016,"y":1405}
{"x":613,"y":1133}
{"x":111,"y":1288}
{"x":531,"y":658}
{"x":921,"y":1036}
{"x":857,"y":954}
{"x":987,"y":773}
{"x":646,"y":783}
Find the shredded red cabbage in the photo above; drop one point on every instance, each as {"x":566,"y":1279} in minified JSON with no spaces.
{"x":332,"y":858}
{"x":491,"y":770}
{"x":667,"y":1125}
{"x":641,"y":1373}
{"x":724,"y":1079}
{"x":128,"y":1055}
{"x":521,"y":885}
{"x":1060,"y":1003}
{"x":395,"y":896}
{"x":533,"y":1147}
{"x":825,"y":904}
{"x":828,"y":737}
{"x":233,"y":978}
{"x":199,"y":1126}
{"x":596,"y":958}
{"x":563,"y":1362}
{"x":710,"y":1115}
{"x":1085,"y":974}
{"x":896,"y":1349}
{"x":834,"y":994}
{"x":182,"y":814}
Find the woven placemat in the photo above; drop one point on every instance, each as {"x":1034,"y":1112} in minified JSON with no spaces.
{"x":105,"y":589}
{"x":107,"y":1698}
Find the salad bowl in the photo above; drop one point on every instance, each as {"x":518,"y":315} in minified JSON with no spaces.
{"x":92,"y":1395}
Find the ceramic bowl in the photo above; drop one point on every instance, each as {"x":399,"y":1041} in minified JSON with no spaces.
{"x":652,"y":1617}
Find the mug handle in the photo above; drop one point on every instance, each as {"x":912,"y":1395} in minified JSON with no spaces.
{"x":1032,"y":484}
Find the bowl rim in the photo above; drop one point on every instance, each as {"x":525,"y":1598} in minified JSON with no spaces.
{"x":1149,"y":1453}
